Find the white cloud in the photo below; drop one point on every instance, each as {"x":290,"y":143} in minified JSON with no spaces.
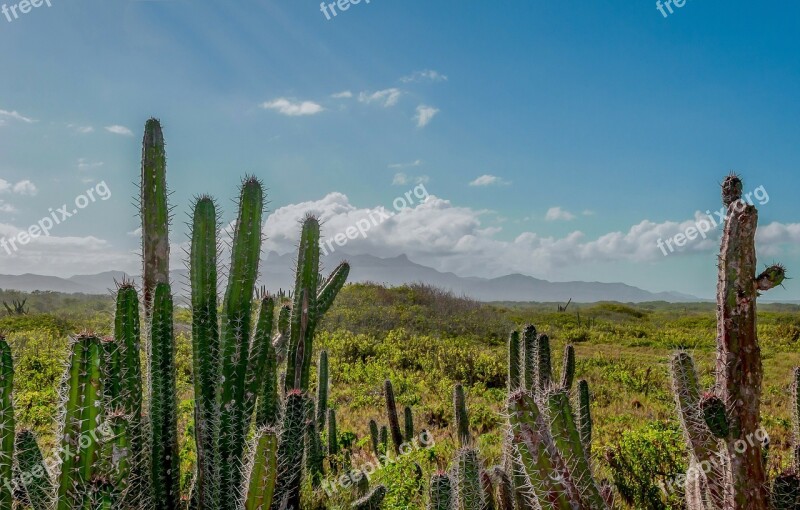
{"x":425,"y":114}
{"x":388,"y":97}
{"x":5,"y":207}
{"x":25,"y":187}
{"x":119,"y":130}
{"x":417,"y":162}
{"x":488,"y":180}
{"x":5,"y":186}
{"x":292,"y":108}
{"x":85,"y":164}
{"x":345,"y":94}
{"x":401,"y":179}
{"x":587,"y":212}
{"x":558,"y":214}
{"x":81,"y":129}
{"x":13,"y":114}
{"x":429,"y":74}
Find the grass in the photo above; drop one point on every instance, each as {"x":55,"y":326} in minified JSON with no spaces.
{"x":426,"y":341}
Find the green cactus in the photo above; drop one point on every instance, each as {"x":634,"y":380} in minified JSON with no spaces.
{"x":290,"y":452}
{"x":333,"y":439}
{"x":461,"y":415}
{"x":408,"y":422}
{"x":315,"y":455}
{"x":391,"y":411}
{"x":374,"y":435}
{"x":165,"y":464}
{"x":544,"y":367}
{"x":584,"y":414}
{"x":261,"y":472}
{"x":7,"y":436}
{"x":568,"y":370}
{"x":261,"y":379}
{"x":716,"y":424}
{"x":528,"y":354}
{"x":29,"y":458}
{"x":384,"y":439}
{"x":440,"y":492}
{"x":468,"y":479}
{"x":372,"y":501}
{"x":82,"y":415}
{"x":514,"y":367}
{"x":154,"y":211}
{"x":322,"y":389}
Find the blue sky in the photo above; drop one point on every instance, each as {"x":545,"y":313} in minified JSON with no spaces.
{"x":556,"y":139}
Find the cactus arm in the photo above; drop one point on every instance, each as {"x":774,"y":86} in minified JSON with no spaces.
{"x":290,"y":452}
{"x":260,"y":352}
{"x":30,"y":460}
{"x":315,"y":456}
{"x":384,"y":439}
{"x":529,"y":350}
{"x":487,"y":487}
{"x":568,"y":441}
{"x":154,"y":211}
{"x":7,"y":437}
{"x":408,"y":421}
{"x":331,"y":288}
{"x":322,"y":389}
{"x":568,"y":370}
{"x":514,"y":350}
{"x":268,"y":409}
{"x":440,"y":492}
{"x":164,"y":470}
{"x":333,"y":436}
{"x":92,"y":414}
{"x":504,"y":491}
{"x":70,"y":425}
{"x":374,"y":435}
{"x":391,"y":411}
{"x":584,"y":414}
{"x":544,"y":366}
{"x":235,"y":335}
{"x":262,"y":471}
{"x":468,"y":478}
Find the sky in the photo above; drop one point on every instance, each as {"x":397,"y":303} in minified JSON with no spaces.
{"x":560,"y":140}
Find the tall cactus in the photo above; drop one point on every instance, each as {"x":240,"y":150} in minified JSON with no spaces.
{"x":391,"y":412}
{"x":440,"y":492}
{"x":6,"y":424}
{"x":38,"y":486}
{"x":290,"y":452}
{"x":468,"y":476}
{"x":165,"y":463}
{"x":461,"y":415}
{"x":736,"y":479}
{"x":322,"y":389}
{"x":261,"y":472}
{"x":154,"y":211}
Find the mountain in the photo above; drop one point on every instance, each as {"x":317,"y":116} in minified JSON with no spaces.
{"x":277,"y":272}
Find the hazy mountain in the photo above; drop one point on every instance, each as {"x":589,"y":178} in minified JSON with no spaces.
{"x":277,"y":272}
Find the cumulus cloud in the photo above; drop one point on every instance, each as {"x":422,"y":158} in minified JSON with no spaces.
{"x":425,"y":114}
{"x":488,"y":180}
{"x":386,"y":97}
{"x":345,"y":94}
{"x":428,"y":74}
{"x":25,"y":187}
{"x":293,"y":108}
{"x":13,"y":114}
{"x":557,"y":213}
{"x":119,"y":130}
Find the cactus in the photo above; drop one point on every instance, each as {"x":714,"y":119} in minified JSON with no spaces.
{"x":440,"y":493}
{"x":165,"y":465}
{"x":544,"y":368}
{"x":461,"y":415}
{"x":408,"y":422}
{"x":7,"y":436}
{"x":468,"y":478}
{"x":384,"y":439}
{"x":796,"y":418}
{"x":528,"y":355}
{"x":333,"y":437}
{"x":504,"y":489}
{"x":315,"y":456}
{"x":290,"y":452}
{"x":261,"y":471}
{"x":372,"y":501}
{"x":568,"y":370}
{"x":261,"y":380}
{"x":374,"y":435}
{"x":514,"y":366}
{"x":718,"y":423}
{"x":322,"y":389}
{"x":391,"y":411}
{"x":82,"y":414}
{"x":38,"y":487}
{"x":584,"y":414}
{"x":154,"y":211}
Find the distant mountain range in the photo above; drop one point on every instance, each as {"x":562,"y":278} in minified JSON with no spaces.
{"x":277,"y":272}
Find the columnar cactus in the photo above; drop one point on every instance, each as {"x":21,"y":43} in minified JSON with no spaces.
{"x":290,"y":452}
{"x":322,"y":389}
{"x":7,"y":437}
{"x":154,"y":211}
{"x":261,"y":472}
{"x":38,"y":487}
{"x":722,"y":427}
{"x":469,"y":492}
{"x":440,"y":492}
{"x":408,"y":422}
{"x":461,"y":415}
{"x":374,"y":435}
{"x":372,"y":501}
{"x":391,"y":411}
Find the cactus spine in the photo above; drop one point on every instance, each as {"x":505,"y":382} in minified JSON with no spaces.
{"x":290,"y":452}
{"x":7,"y":437}
{"x":38,"y":487}
{"x":262,"y":471}
{"x":440,"y":493}
{"x":718,"y":423}
{"x":154,"y":211}
{"x":468,"y":477}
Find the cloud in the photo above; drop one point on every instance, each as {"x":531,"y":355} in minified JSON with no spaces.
{"x":5,"y":207}
{"x":81,"y":129}
{"x":587,"y":212}
{"x":558,"y":214}
{"x":84,"y":164}
{"x":429,"y":74}
{"x":401,"y":179}
{"x":119,"y":130}
{"x":17,"y":116}
{"x":345,"y":94}
{"x":25,"y":187}
{"x":388,"y":97}
{"x":293,"y":108}
{"x":488,"y":180}
{"x":417,"y":162}
{"x":424,"y":115}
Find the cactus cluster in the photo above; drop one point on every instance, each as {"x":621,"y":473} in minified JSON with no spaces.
{"x":722,"y":426}
{"x":546,"y":462}
{"x":119,"y":421}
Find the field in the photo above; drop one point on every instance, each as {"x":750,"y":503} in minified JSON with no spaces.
{"x":426,"y":340}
